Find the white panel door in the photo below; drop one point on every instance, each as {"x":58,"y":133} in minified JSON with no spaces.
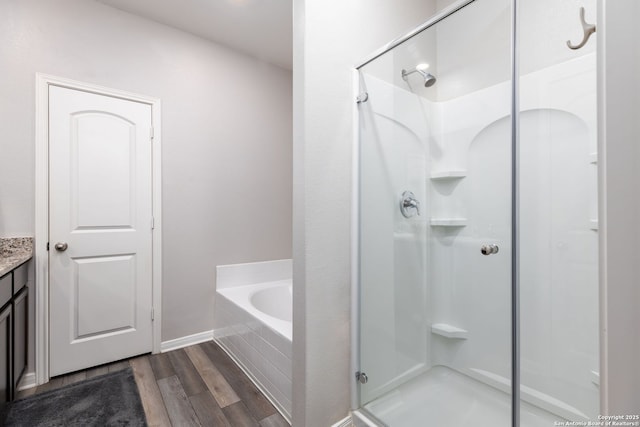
{"x":100,"y":208}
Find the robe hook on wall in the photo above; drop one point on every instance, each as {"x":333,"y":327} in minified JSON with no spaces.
{"x":588,"y":30}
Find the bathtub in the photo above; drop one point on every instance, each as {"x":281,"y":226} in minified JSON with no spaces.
{"x":252,"y":323}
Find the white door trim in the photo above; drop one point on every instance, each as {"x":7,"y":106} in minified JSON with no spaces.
{"x":41,"y":255}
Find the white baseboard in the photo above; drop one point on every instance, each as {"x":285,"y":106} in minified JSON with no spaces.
{"x":28,"y":381}
{"x":346,"y":422}
{"x":186,"y":341}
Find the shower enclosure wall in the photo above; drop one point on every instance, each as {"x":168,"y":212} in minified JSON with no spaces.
{"x":476,"y":221}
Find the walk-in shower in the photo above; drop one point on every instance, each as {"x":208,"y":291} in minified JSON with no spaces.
{"x":476,"y":232}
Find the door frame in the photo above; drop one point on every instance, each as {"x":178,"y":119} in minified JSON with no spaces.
{"x":41,"y":254}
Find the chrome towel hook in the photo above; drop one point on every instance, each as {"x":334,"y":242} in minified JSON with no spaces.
{"x":588,"y":30}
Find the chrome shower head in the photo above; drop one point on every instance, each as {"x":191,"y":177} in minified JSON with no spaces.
{"x":429,"y":79}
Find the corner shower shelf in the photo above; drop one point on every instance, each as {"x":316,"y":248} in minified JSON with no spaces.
{"x":593,"y":224}
{"x":449,"y":331}
{"x":448,"y":222}
{"x":595,"y":378}
{"x":593,"y":158}
{"x":448,"y":175}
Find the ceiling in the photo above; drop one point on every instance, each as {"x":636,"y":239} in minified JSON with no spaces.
{"x":260,"y":28}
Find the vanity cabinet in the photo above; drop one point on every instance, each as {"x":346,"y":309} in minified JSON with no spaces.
{"x":14,"y":318}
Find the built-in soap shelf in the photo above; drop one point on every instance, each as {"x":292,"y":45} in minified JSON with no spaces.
{"x":595,"y":378}
{"x":449,"y":331}
{"x":593,"y":224}
{"x":593,"y":158}
{"x":448,"y":175}
{"x":445,"y":176}
{"x":449,"y":222}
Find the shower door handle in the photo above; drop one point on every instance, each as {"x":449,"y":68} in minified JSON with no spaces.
{"x":489,"y":249}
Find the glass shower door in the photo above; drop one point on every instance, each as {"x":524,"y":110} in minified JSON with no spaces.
{"x":435,"y":207}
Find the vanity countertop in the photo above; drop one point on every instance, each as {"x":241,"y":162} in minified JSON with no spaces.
{"x":13,"y":252}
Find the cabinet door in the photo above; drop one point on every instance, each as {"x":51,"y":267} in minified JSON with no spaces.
{"x":20,"y":277}
{"x":20,"y":328}
{"x":5,"y":355}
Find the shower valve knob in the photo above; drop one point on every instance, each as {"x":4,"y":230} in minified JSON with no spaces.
{"x":489,"y":249}
{"x":409,"y":205}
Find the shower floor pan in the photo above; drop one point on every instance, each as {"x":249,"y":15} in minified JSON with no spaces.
{"x":443,"y":397}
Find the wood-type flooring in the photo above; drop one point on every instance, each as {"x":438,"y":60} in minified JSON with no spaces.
{"x":193,"y":386}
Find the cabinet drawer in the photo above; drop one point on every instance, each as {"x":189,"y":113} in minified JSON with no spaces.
{"x":5,"y":289}
{"x":20,"y":277}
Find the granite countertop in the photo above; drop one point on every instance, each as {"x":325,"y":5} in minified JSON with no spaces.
{"x":13,"y":252}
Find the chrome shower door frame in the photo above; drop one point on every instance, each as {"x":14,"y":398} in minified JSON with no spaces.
{"x":361,"y":414}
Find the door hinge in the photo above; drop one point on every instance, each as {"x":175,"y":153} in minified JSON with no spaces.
{"x":47,"y":246}
{"x":152,"y":315}
{"x":363,"y":97}
{"x":153,"y":223}
{"x":151,"y":133}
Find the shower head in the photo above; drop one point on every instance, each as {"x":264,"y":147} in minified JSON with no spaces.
{"x":429,"y":79}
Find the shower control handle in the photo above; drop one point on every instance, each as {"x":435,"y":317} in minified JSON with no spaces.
{"x":489,"y":249}
{"x":409,"y":203}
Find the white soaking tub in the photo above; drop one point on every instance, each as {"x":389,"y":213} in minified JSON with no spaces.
{"x":252,"y":323}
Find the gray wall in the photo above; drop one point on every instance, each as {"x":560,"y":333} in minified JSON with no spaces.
{"x":226,"y":122}
{"x":330,"y":37}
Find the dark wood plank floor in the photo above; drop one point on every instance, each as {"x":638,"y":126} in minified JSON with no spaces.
{"x":194,"y":386}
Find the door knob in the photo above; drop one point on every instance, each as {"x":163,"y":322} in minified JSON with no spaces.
{"x":61,"y":246}
{"x":489,"y":249}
